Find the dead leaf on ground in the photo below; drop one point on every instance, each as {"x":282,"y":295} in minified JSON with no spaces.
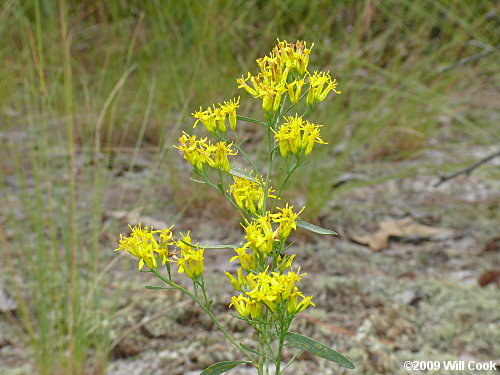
{"x":404,"y":228}
{"x":490,"y":277}
{"x":493,"y":245}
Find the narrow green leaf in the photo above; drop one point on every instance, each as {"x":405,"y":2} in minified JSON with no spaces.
{"x":249,"y":119}
{"x":197,"y":246}
{"x":238,"y":172}
{"x":198,"y":181}
{"x":156,"y":287}
{"x":250,"y":349}
{"x":222,"y":246}
{"x":314,"y":228}
{"x":220,"y":367}
{"x":307,"y":344}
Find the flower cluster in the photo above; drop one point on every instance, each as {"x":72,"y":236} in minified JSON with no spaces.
{"x":266,"y":292}
{"x":297,"y":135}
{"x":143,"y":245}
{"x":285,"y":70}
{"x":215,"y":119}
{"x":200,"y":153}
{"x":277,"y":291}
{"x":286,"y":62}
{"x":262,"y":238}
{"x":191,"y":259}
{"x":249,"y":194}
{"x":317,"y":89}
{"x":287,"y":220}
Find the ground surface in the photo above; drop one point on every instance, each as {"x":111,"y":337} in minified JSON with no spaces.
{"x":418,"y":299}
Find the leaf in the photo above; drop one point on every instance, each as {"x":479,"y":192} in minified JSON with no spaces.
{"x":222,"y":246}
{"x":314,"y":228}
{"x":156,"y":287}
{"x":197,"y":246}
{"x":249,"y":119}
{"x":238,"y":172}
{"x":197,"y":181}
{"x":307,"y":344}
{"x":403,"y":228}
{"x":246,"y":347}
{"x":220,"y":367}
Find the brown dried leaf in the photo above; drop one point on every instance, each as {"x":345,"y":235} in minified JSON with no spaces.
{"x":404,"y":228}
{"x":490,"y":277}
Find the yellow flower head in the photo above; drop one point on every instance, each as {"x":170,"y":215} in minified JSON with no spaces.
{"x":163,"y":244}
{"x":275,"y":291}
{"x":239,"y":284}
{"x":247,"y":261}
{"x":222,"y":150}
{"x":230,"y":109}
{"x":191,"y":259}
{"x":197,"y":152}
{"x":294,"y":90}
{"x":207,"y":118}
{"x":260,"y":235}
{"x":287,"y":220}
{"x":320,"y":84}
{"x":142,"y":244}
{"x":249,"y":194}
{"x":297,"y":135}
{"x":215,"y":118}
{"x":286,"y":60}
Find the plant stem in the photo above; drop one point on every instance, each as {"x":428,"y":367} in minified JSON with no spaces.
{"x":289,"y":173}
{"x":207,"y":310}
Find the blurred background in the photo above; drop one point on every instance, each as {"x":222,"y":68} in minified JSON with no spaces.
{"x":94,"y":93}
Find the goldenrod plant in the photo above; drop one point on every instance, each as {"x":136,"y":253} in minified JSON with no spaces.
{"x":267,"y":295}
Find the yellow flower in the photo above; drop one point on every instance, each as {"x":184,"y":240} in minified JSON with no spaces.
{"x":285,"y":60}
{"x":143,"y":245}
{"x":197,"y":152}
{"x":317,"y":90}
{"x":245,"y":306}
{"x":240,"y":304}
{"x":310,"y":135}
{"x":296,"y":135}
{"x":191,"y":260}
{"x":222,"y":150}
{"x":284,"y":261}
{"x":294,"y":90}
{"x":140,"y":244}
{"x":249,"y":194}
{"x":237,"y":284}
{"x":287,"y":220}
{"x":304,"y":304}
{"x":216,"y":117}
{"x":164,"y":243}
{"x":206,"y":117}
{"x":230,"y":109}
{"x":247,"y":261}
{"x":275,"y":291}
{"x":260,"y":235}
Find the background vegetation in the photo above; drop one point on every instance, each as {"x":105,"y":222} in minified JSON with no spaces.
{"x":90,"y":89}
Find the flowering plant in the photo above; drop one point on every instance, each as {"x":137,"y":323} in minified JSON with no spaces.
{"x":266,"y":293}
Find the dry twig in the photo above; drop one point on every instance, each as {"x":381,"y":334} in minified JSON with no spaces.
{"x":467,"y":171}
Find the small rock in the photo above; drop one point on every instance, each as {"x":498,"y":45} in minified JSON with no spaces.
{"x":7,"y":304}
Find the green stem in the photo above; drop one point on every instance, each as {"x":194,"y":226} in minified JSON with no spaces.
{"x":262,"y":350}
{"x":209,"y":313}
{"x":289,"y":173}
{"x":245,"y":155}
